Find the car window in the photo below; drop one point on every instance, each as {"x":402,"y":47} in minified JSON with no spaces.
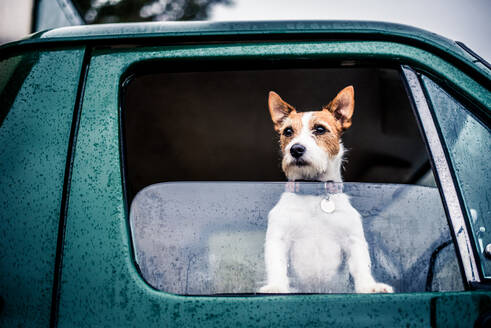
{"x":221,"y":118}
{"x":188,"y":129}
{"x":468,"y":141}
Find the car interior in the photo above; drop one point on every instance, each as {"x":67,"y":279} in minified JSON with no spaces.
{"x":215,"y":125}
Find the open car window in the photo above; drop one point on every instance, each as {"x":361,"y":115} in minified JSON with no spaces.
{"x":185,"y":122}
{"x":208,"y":238}
{"x":201,"y":153}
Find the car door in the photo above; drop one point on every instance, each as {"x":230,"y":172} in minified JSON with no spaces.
{"x":102,"y":280}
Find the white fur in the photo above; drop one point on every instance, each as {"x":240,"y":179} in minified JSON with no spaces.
{"x":312,"y":243}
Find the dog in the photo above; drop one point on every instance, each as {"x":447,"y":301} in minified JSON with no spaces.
{"x":311,"y":235}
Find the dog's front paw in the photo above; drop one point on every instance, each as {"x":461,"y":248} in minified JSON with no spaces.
{"x":377,"y":287}
{"x":274,"y":289}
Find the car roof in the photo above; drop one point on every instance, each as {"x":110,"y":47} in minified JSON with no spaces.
{"x":133,"y":33}
{"x":127,"y":31}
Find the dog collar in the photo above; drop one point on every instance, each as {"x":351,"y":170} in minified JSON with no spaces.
{"x":314,"y":188}
{"x":317,"y":188}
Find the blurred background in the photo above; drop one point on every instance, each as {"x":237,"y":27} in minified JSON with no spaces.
{"x":468,"y":21}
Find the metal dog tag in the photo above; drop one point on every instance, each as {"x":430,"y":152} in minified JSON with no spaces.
{"x":327,"y":205}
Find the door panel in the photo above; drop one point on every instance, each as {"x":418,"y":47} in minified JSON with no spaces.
{"x":100,"y":281}
{"x":37,"y":101}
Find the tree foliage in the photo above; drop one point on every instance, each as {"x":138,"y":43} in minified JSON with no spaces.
{"x":115,"y":11}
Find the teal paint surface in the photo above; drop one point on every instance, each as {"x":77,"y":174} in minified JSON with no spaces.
{"x":100,"y":283}
{"x":134,"y":33}
{"x":34,"y":139}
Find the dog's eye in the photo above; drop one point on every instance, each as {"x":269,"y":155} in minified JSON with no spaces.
{"x":319,"y":129}
{"x":288,"y":132}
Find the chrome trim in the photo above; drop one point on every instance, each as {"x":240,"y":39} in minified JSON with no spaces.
{"x":464,"y":245}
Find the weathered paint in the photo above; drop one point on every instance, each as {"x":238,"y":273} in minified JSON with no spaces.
{"x":38,"y":101}
{"x":100,"y":283}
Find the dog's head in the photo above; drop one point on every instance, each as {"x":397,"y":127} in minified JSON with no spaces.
{"x":311,"y":141}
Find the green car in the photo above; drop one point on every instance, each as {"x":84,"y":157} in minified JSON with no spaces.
{"x":138,"y":165}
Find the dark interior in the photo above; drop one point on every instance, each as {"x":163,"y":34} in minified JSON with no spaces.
{"x":200,"y":125}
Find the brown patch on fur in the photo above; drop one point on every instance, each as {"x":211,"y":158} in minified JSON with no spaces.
{"x":329,"y":141}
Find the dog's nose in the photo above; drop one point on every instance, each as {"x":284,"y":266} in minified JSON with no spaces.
{"x":297,"y":150}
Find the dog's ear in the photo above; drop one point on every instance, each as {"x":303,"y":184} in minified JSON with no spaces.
{"x":278,"y":109}
{"x":342,"y":106}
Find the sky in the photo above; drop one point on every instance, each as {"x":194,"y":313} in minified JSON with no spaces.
{"x":15,"y":20}
{"x":468,"y":21}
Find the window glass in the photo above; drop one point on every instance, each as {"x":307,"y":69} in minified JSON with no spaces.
{"x":208,"y":238}
{"x":468,"y":141}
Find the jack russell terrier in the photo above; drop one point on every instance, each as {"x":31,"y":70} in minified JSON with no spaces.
{"x":313,"y":229}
